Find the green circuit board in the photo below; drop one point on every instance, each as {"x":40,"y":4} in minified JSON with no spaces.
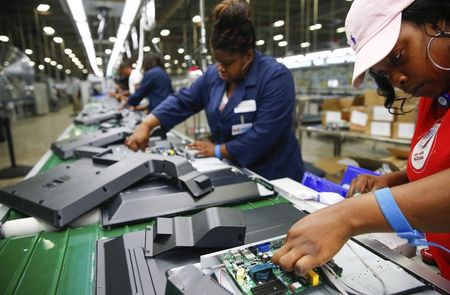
{"x":254,"y":273}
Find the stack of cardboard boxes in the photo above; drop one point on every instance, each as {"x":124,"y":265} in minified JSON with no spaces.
{"x":366,"y":113}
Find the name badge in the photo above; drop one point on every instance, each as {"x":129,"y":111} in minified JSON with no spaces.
{"x":245,"y":106}
{"x":240,"y":128}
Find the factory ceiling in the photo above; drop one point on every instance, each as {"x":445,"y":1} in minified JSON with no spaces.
{"x":23,"y":25}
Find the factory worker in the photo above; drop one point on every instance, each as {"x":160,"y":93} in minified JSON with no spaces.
{"x":403,"y":44}
{"x":248,"y":99}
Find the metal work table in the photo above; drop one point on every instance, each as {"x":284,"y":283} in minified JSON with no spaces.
{"x":340,"y":135}
{"x":64,"y":262}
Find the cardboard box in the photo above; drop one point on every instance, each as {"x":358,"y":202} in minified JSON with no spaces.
{"x":410,"y":117}
{"x":371,"y":97}
{"x":403,"y":130}
{"x":331,"y":104}
{"x":359,"y":116}
{"x":332,"y":168}
{"x":379,"y":128}
{"x":380,"y":113}
{"x":401,"y":153}
{"x":331,"y":117}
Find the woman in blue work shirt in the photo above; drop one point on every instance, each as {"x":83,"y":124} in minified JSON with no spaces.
{"x":248,"y":99}
{"x":155,"y":85}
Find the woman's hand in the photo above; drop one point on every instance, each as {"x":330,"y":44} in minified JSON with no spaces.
{"x":139,"y":139}
{"x":365,"y":183}
{"x":314,"y":240}
{"x":204,"y":148}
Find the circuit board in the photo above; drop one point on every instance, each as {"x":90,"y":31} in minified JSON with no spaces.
{"x":254,"y":273}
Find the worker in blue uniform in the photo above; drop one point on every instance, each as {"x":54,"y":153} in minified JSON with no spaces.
{"x":155,"y":85}
{"x":248,"y":99}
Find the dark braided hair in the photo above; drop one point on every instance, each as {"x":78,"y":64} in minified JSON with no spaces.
{"x":233,"y":31}
{"x":420,"y":12}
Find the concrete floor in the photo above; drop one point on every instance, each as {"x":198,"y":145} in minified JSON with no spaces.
{"x":33,"y":136}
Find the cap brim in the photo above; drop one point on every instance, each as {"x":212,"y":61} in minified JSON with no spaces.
{"x":377,"y":48}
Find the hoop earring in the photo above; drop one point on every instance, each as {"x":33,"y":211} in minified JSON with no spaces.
{"x":431,"y":59}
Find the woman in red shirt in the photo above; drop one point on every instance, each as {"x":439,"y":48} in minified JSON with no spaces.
{"x":404,"y":44}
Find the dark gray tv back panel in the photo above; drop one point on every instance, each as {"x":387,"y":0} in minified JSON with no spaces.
{"x":67,"y":191}
{"x":65,"y":148}
{"x":157,"y":196}
{"x":88,"y":118}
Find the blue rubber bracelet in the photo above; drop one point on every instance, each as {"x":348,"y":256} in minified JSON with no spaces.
{"x":217,"y":151}
{"x":395,"y":217}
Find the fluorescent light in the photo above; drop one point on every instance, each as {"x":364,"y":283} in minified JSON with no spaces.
{"x":260,"y":42}
{"x":146,"y":48}
{"x":180,"y":50}
{"x":278,"y":23}
{"x":43,"y":7}
{"x":67,"y":51}
{"x":67,"y":71}
{"x":278,"y":37}
{"x":187,"y":57}
{"x":129,"y":12}
{"x":166,"y":65}
{"x":58,"y":40}
{"x":53,"y":63}
{"x":4,"y":38}
{"x":59,"y":66}
{"x":315,"y":27}
{"x":156,"y":40}
{"x":282,"y":43}
{"x":196,"y":19}
{"x":305,"y":44}
{"x":77,"y":9}
{"x":108,"y":51}
{"x":166,"y":57}
{"x":47,"y":59}
{"x":41,"y":67}
{"x":28,"y":51}
{"x":49,"y":31}
{"x":340,"y":30}
{"x":83,"y":29}
{"x":165,"y":32}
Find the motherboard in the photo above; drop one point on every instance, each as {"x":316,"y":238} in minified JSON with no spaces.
{"x":254,"y":273}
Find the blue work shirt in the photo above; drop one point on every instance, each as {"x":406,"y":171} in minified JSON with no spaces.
{"x":269,"y":147}
{"x":155,"y":85}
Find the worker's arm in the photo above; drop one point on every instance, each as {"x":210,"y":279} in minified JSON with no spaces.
{"x":315,"y":239}
{"x":365,"y":183}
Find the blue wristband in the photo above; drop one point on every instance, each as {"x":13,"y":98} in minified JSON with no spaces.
{"x":395,"y":217}
{"x":217,"y":151}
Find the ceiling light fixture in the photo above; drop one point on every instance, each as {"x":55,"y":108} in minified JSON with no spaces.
{"x":282,"y":43}
{"x":68,"y":71}
{"x":278,"y":23}
{"x":146,"y":48}
{"x":47,"y":59}
{"x":180,"y":50}
{"x":41,"y":67}
{"x":196,"y":19}
{"x":166,"y":57}
{"x":67,"y":51}
{"x":43,"y":7}
{"x":278,"y":37}
{"x":305,"y":44}
{"x":260,"y":42}
{"x":49,"y":31}
{"x":165,"y":32}
{"x":129,"y":14}
{"x":4,"y":38}
{"x":108,"y":51}
{"x":58,"y":40}
{"x":340,"y":30}
{"x":156,"y":40}
{"x":53,"y":63}
{"x":79,"y":16}
{"x":28,"y":51}
{"x":315,"y":27}
{"x":112,"y":39}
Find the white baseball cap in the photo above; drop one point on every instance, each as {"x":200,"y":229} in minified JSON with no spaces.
{"x":372,"y":28}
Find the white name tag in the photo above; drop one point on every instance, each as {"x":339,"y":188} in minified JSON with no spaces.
{"x":240,"y":128}
{"x":245,"y":106}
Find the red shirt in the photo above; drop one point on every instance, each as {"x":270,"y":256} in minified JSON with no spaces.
{"x":431,"y":154}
